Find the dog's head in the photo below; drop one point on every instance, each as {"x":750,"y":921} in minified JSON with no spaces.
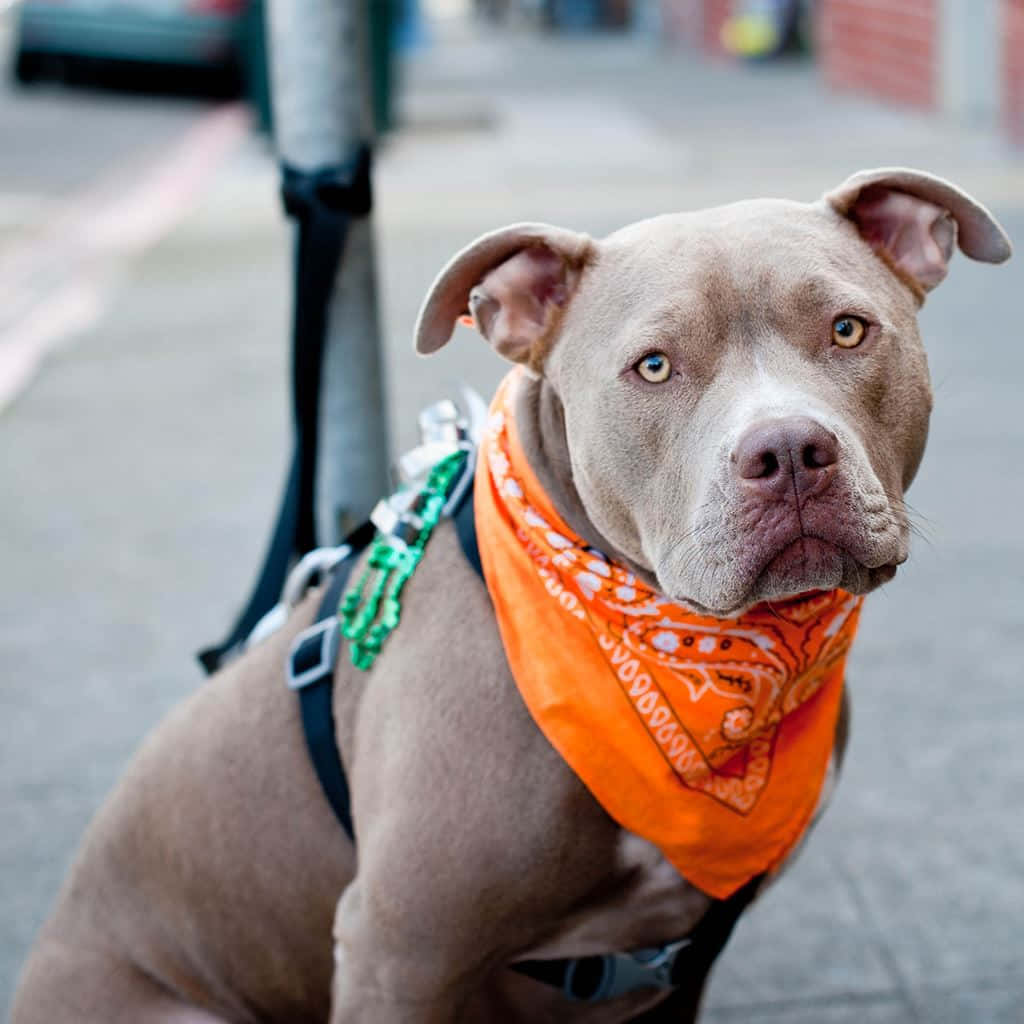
{"x":744,"y":392}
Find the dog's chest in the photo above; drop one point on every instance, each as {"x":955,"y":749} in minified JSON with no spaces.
{"x":645,"y":903}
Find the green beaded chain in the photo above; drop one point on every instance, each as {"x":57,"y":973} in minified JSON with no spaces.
{"x":370,"y":611}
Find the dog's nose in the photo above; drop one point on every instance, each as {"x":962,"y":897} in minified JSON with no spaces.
{"x":779,"y":457}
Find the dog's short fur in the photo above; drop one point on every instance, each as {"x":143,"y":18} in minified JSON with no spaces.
{"x":773,"y":460}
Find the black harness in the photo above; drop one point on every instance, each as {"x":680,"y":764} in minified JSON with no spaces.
{"x":589,"y":979}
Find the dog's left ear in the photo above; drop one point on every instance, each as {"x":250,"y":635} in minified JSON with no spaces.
{"x":514,"y":283}
{"x":913,"y":220}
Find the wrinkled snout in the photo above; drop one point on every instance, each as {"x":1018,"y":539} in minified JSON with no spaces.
{"x":791,"y":457}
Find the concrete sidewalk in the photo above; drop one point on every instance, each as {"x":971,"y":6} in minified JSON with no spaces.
{"x":144,"y":464}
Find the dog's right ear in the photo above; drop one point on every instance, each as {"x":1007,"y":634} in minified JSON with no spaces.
{"x":515,"y":283}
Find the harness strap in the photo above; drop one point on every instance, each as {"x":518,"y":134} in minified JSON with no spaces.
{"x":311,"y":662}
{"x":314,"y":654}
{"x":465,"y":528}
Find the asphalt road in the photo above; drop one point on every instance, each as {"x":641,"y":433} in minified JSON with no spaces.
{"x":92,"y":172}
{"x":92,"y":176}
{"x":142,"y":459}
{"x":59,"y":139}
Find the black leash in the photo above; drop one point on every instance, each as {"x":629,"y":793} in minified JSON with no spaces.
{"x":323,"y":203}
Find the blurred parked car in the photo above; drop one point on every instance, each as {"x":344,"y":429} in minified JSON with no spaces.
{"x":207,"y":34}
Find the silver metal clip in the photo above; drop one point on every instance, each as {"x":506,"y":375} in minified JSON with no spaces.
{"x":321,"y":560}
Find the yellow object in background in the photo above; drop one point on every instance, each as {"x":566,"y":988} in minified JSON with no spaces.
{"x":750,"y":35}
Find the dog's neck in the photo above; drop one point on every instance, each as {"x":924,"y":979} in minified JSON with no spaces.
{"x":540,"y":422}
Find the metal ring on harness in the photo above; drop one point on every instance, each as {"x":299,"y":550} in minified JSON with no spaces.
{"x":320,"y":560}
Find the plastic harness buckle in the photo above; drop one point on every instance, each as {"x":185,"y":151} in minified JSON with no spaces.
{"x":593,"y":979}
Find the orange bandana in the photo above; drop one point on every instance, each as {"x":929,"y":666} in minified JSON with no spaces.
{"x":709,"y":737}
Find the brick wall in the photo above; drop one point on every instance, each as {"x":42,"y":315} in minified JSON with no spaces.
{"x":890,"y":50}
{"x":1012,"y":25}
{"x":919,"y":53}
{"x":697,"y":22}
{"x":715,"y":14}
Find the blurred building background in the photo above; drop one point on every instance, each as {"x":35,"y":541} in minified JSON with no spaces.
{"x":961,"y":57}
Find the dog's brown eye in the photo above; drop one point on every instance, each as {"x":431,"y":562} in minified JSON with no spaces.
{"x":848,"y":331}
{"x":655,"y":368}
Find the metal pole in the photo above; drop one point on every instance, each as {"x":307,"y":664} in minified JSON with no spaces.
{"x":322,"y":114}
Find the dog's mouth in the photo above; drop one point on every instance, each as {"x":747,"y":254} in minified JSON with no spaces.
{"x":811,"y":562}
{"x":818,"y":561}
{"x":802,"y":566}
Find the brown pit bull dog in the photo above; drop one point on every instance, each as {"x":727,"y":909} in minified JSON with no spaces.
{"x":728,"y":404}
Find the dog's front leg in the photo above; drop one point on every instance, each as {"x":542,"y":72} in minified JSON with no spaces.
{"x":398,"y":962}
{"x":474,"y":838}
